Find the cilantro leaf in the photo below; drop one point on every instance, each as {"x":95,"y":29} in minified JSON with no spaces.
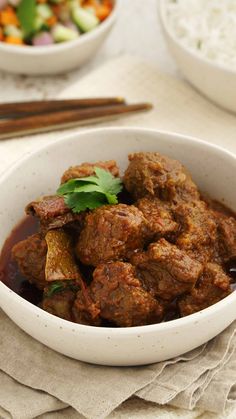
{"x":58,"y":286}
{"x":111,"y":199}
{"x":90,"y":179}
{"x":70,"y":186}
{"x":91,"y":192}
{"x":55,"y":287}
{"x":88,"y":188}
{"x":108,"y":182}
{"x":105,"y":180}
{"x":81,"y":201}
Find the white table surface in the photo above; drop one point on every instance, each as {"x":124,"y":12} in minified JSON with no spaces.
{"x":136,"y":32}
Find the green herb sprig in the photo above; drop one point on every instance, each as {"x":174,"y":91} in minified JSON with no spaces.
{"x":59,"y":286}
{"x":91,"y":192}
{"x":26,"y":13}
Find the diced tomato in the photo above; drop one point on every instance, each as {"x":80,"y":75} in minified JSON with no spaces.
{"x":52,"y":20}
{"x":102,"y":12}
{"x":1,"y":35}
{"x":8,"y":17}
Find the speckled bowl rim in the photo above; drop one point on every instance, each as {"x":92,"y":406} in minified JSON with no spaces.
{"x":50,"y":49}
{"x":167,"y":326}
{"x":188,"y":51}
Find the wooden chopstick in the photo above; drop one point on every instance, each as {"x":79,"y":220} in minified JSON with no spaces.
{"x":66,"y":119}
{"x":44,"y":106}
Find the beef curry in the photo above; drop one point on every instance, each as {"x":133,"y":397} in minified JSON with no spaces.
{"x":161,"y":252}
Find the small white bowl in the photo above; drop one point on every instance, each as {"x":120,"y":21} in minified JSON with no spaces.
{"x":58,"y":58}
{"x":215,"y":81}
{"x":39,"y":173}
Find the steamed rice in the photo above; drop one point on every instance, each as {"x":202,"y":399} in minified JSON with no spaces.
{"x":207,"y":27}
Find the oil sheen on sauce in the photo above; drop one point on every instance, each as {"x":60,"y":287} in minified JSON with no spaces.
{"x":9,"y":273}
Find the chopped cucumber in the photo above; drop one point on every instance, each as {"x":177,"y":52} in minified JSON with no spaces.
{"x":85,"y":20}
{"x":44,"y":11}
{"x":61,"y":33}
{"x":11,"y":30}
{"x":90,"y":10}
{"x":38,"y":23}
{"x":74,"y":3}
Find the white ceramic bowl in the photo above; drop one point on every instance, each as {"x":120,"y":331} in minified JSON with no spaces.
{"x":58,"y":58}
{"x":39,"y":173}
{"x":215,"y":81}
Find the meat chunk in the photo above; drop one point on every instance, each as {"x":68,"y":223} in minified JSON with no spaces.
{"x":166,"y":271}
{"x":53,"y":213}
{"x":198,"y":230}
{"x":87,"y":169}
{"x":48,"y":207}
{"x":30,"y":255}
{"x":60,"y":304}
{"x":157,"y":175}
{"x":110,"y":233}
{"x":227,"y":238}
{"x":85,"y":310}
{"x":212,"y":286}
{"x":60,"y":261}
{"x":159,"y":217}
{"x":120,"y":297}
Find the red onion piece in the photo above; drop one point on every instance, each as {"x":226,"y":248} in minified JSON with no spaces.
{"x":42,"y":39}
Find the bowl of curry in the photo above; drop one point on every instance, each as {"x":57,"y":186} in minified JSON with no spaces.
{"x":127,"y":245}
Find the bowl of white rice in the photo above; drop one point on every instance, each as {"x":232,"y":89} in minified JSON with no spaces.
{"x":201,"y":35}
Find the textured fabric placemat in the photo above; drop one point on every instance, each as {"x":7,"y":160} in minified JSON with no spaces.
{"x":87,"y":388}
{"x":177,"y":107}
{"x":204,"y":378}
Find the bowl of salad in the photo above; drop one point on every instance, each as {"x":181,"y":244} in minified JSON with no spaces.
{"x":52,"y":36}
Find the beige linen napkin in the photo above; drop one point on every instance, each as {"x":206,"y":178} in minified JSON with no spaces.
{"x":87,"y":388}
{"x":34,"y":379}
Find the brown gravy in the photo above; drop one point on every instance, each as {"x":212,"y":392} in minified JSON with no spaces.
{"x":10,"y":275}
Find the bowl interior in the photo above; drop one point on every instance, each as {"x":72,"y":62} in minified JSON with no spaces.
{"x":39,"y":174}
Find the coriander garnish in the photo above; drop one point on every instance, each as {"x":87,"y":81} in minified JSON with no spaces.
{"x":91,"y":192}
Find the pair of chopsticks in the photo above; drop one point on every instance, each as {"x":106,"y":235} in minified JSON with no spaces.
{"x":25,"y":118}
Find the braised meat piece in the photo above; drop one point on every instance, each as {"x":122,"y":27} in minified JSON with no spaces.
{"x":60,"y":261}
{"x":166,"y":271}
{"x":227,"y":238}
{"x":157,"y":175}
{"x":87,"y":169}
{"x":30,"y":255}
{"x":85,"y":310}
{"x":159,"y":217}
{"x":60,"y":304}
{"x":120,"y":297}
{"x":110,"y":233}
{"x":212,"y":286}
{"x":59,"y":297}
{"x":198,"y":230}
{"x":48,"y":207}
{"x":53,"y":213}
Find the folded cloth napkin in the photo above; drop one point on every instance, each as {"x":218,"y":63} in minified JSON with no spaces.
{"x":50,"y":381}
{"x":34,"y":380}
